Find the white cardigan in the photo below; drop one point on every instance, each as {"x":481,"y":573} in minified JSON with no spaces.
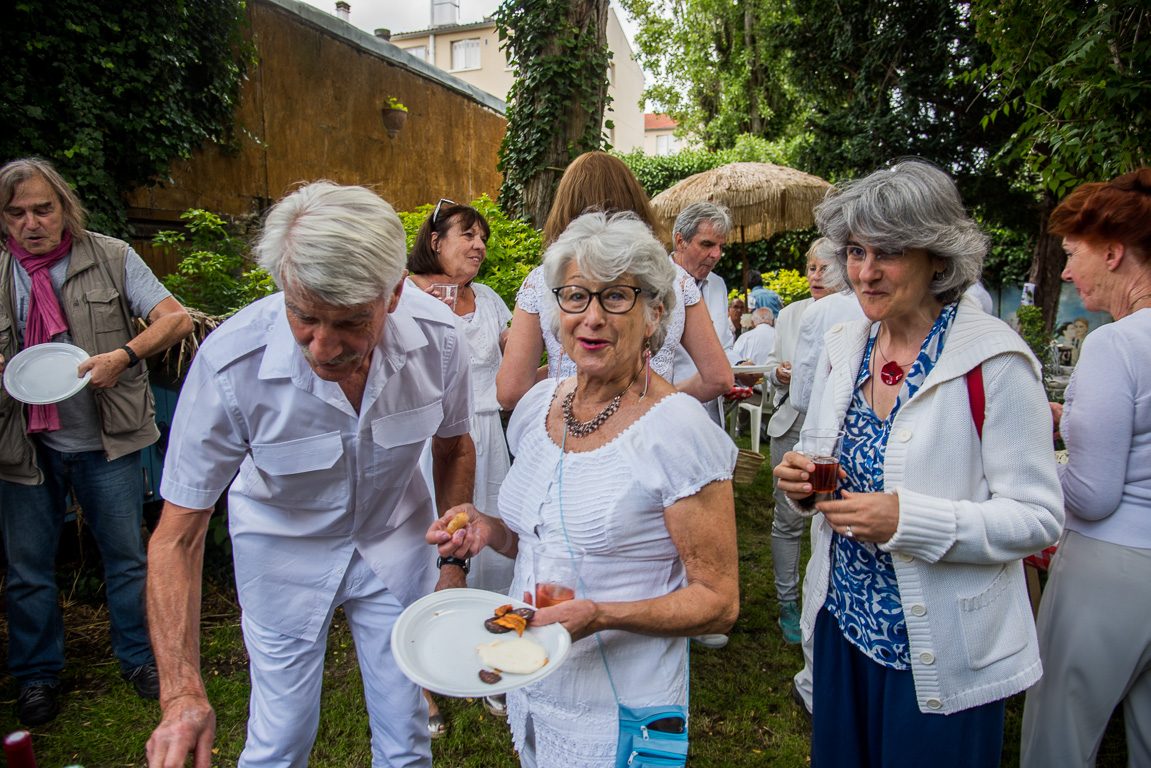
{"x":969,"y":509}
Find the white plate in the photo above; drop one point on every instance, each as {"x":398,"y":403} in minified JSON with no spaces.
{"x":45,"y":373}
{"x":434,"y":643}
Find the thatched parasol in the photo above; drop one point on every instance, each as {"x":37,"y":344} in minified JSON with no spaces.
{"x":763,"y":198}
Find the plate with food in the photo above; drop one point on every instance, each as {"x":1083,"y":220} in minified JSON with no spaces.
{"x":472,"y":643}
{"x":45,"y":373}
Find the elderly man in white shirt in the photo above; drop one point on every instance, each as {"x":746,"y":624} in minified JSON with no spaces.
{"x":755,"y":345}
{"x":699,"y":233}
{"x":321,"y":397}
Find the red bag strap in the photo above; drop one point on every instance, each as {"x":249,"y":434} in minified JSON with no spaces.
{"x":976,"y":398}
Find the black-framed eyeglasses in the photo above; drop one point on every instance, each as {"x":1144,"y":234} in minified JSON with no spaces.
{"x":615,"y":299}
{"x":436,"y":212}
{"x":858,"y":254}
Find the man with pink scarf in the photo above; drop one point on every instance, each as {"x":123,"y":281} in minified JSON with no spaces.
{"x":60,"y":283}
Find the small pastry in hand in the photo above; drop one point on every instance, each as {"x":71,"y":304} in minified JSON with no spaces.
{"x":458,"y":522}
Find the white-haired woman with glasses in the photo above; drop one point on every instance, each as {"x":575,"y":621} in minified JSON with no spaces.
{"x":916,"y":597}
{"x":619,"y":463}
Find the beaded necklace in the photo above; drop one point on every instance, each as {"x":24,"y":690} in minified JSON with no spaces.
{"x":579,"y":428}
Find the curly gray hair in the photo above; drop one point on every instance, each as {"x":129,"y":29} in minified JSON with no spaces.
{"x":912,"y":204}
{"x":606,"y":247}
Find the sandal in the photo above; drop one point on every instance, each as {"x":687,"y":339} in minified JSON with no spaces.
{"x":497,"y":705}
{"x":437,"y":726}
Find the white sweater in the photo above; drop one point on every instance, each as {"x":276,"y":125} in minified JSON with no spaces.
{"x":969,"y":509}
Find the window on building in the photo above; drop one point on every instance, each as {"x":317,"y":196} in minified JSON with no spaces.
{"x":419,"y":51}
{"x":665,"y":144}
{"x":466,"y":54}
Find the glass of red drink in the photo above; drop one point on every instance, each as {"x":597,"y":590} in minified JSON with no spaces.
{"x":557,"y":572}
{"x":821,"y":447}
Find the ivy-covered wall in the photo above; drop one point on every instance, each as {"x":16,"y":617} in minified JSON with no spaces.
{"x":311,"y":109}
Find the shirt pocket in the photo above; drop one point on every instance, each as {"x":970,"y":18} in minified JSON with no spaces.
{"x":994,"y":622}
{"x":104,"y":308}
{"x":308,"y":470}
{"x":398,"y":439}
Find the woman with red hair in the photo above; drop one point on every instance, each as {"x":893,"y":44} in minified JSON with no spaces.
{"x":1094,"y":636}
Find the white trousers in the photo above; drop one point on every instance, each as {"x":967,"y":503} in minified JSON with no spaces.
{"x":287,"y":674}
{"x":1095,"y":642}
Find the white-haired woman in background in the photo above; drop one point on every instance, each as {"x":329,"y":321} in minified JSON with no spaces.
{"x":617,"y":461}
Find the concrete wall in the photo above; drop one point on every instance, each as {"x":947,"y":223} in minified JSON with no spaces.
{"x":626,"y":110}
{"x":312,"y":107}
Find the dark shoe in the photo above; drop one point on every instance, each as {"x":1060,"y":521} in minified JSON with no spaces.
{"x":789,"y":622}
{"x":437,"y":726}
{"x":145,"y":679}
{"x":797,"y":697}
{"x":38,"y":704}
{"x":497,"y":705}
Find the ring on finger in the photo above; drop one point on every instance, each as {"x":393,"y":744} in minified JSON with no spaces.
{"x":848,"y":533}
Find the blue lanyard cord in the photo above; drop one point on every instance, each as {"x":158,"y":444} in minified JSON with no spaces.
{"x":579,"y":577}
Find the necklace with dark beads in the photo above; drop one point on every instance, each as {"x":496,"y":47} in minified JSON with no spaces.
{"x":579,"y":428}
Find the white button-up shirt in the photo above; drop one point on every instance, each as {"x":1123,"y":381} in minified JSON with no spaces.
{"x":318,"y":481}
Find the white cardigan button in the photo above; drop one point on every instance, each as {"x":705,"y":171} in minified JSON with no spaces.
{"x":837,"y":328}
{"x":905,"y":558}
{"x":918,"y":610}
{"x":927,"y":658}
{"x":903,"y":435}
{"x":934,"y":704}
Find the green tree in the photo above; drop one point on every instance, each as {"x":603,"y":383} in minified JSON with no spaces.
{"x":112,"y":93}
{"x":556,"y":104}
{"x":719,"y":71}
{"x":1076,"y":74}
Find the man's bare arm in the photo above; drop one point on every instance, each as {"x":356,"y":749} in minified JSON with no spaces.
{"x":175,"y":568}
{"x":169,"y":323}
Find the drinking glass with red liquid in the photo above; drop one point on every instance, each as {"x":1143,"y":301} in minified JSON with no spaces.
{"x":557,"y":572}
{"x":822,"y":447}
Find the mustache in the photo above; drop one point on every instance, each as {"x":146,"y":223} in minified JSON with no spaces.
{"x":347,"y":357}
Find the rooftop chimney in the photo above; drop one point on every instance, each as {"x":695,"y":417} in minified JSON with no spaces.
{"x":445,"y":13}
{"x":344,"y":10}
{"x":384,"y":33}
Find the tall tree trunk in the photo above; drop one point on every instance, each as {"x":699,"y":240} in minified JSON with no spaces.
{"x":1047,"y":263}
{"x":567,"y":137}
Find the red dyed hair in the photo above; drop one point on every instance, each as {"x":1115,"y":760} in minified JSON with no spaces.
{"x":1110,"y":211}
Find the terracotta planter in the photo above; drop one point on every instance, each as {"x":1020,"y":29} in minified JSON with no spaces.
{"x":394,"y":120}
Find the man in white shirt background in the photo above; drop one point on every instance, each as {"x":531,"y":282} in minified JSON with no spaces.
{"x":321,"y":397}
{"x":700,"y":231}
{"x":755,"y":345}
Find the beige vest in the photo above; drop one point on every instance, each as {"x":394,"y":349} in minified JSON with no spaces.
{"x":95,"y":304}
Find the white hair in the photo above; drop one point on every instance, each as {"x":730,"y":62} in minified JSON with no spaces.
{"x":761,"y":316}
{"x":344,"y":246}
{"x":606,"y":247}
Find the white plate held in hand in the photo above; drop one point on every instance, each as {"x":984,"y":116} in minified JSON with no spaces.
{"x":45,"y":373}
{"x":434,"y":643}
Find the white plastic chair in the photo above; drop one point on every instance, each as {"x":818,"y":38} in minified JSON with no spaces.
{"x":760,"y":411}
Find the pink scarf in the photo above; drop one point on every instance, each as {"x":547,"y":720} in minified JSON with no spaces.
{"x":45,"y":318}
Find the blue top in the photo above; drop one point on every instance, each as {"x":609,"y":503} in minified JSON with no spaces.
{"x":864,"y":593}
{"x":763,"y":297}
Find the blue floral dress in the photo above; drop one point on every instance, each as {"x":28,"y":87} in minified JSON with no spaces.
{"x":864,"y":593}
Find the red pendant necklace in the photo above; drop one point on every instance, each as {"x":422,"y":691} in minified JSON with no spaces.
{"x":892,"y":372}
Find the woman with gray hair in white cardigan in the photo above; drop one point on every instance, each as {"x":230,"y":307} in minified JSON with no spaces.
{"x":916,"y":597}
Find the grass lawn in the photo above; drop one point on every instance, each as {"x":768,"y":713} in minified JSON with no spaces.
{"x":741,"y":710}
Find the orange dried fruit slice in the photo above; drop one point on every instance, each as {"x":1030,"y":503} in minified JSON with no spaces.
{"x":458,"y":522}
{"x":513,"y":621}
{"x":503,"y":609}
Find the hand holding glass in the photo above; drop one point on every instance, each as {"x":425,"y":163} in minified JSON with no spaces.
{"x":822,"y":447}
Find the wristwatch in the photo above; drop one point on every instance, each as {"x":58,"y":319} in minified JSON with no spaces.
{"x":132,"y":359}
{"x":465,"y":564}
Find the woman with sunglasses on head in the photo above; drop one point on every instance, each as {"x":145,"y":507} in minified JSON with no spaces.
{"x":597,"y":181}
{"x":915,"y":593}
{"x":449,"y":250}
{"x":616,"y":462}
{"x":1093,"y":630}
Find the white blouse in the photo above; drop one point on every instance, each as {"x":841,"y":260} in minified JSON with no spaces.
{"x":613,"y":502}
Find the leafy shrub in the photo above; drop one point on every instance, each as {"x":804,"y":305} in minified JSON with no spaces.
{"x":658,"y":172}
{"x":214,"y":274}
{"x":514,"y":247}
{"x":790,"y":284}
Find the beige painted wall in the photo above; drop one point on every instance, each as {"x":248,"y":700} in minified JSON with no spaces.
{"x":494,"y":76}
{"x":313,"y":107}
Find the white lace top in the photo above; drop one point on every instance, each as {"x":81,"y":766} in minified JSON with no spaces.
{"x":535,"y":297}
{"x":613,"y":507}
